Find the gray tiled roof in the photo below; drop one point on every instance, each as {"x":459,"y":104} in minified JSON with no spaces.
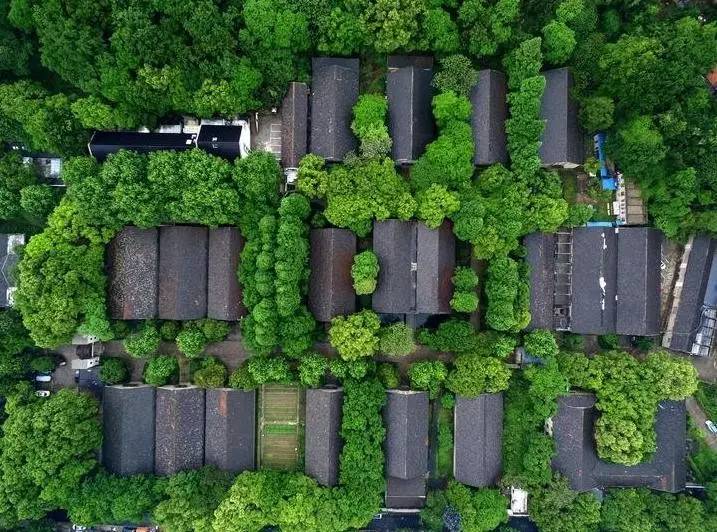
{"x":331,"y":290}
{"x":638,"y":281}
{"x":405,"y":493}
{"x":406,"y":420}
{"x":576,"y":458}
{"x":224,"y":297}
{"x":541,"y":258}
{"x":132,"y":263}
{"x":230,"y":429}
{"x":334,"y":91}
{"x":128,"y":429}
{"x":182,"y":272}
{"x":179,"y":429}
{"x":478,"y":436}
{"x":490,"y":111}
{"x":409,"y":92}
{"x":416,"y":265}
{"x":562,"y":140}
{"x":322,"y":434}
{"x":294,"y":124}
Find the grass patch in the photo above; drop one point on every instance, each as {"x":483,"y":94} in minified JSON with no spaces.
{"x":444,"y":455}
{"x":703,"y":461}
{"x":570,"y":188}
{"x":279,"y":429}
{"x":706,"y":396}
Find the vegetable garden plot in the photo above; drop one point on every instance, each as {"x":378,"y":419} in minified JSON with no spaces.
{"x":281,"y":419}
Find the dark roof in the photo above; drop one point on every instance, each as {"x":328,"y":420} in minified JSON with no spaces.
{"x":405,"y":493}
{"x":406,"y":419}
{"x":224,"y":296}
{"x":294,"y":124}
{"x":222,"y":141}
{"x":416,"y":265}
{"x":490,"y":111}
{"x":594,"y":267}
{"x":128,"y":429}
{"x":638,"y":281}
{"x":179,"y":429}
{"x":104,"y":143}
{"x":334,"y":91}
{"x":541,"y":258}
{"x":132,"y":263}
{"x":694,"y":292}
{"x":182,"y":272}
{"x":576,"y":458}
{"x":409,"y":92}
{"x":8,"y":262}
{"x":562,"y":141}
{"x":230,"y":429}
{"x":331,"y":291}
{"x":478,"y":436}
{"x":322,"y":434}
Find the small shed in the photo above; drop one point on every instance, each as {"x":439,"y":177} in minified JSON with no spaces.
{"x":224,"y":295}
{"x":133,"y":266}
{"x":105,"y":143}
{"x":230,"y":429}
{"x":331,"y":290}
{"x":182,"y":272}
{"x":562,"y":140}
{"x":179,"y":429}
{"x":294,"y":124}
{"x":334,"y":92}
{"x":409,"y":92}
{"x":490,"y":112}
{"x":322,"y":434}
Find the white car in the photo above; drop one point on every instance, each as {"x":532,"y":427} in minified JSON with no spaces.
{"x":42,"y":393}
{"x":43,"y":378}
{"x":711,"y":426}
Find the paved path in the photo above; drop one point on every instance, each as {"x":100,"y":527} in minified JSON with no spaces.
{"x":698,"y":417}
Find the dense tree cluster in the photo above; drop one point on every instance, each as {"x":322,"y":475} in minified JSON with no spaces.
{"x":508,"y":294}
{"x":475,"y":510}
{"x":465,"y":298}
{"x":369,"y":125}
{"x":14,"y":350}
{"x":23,"y":197}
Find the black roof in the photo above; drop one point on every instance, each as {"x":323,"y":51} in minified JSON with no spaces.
{"x":104,"y":143}
{"x":406,"y":419}
{"x":331,"y":290}
{"x":405,"y":493}
{"x":322,"y":434}
{"x":541,"y":258}
{"x":220,"y":140}
{"x":638,"y":281}
{"x":128,"y":429}
{"x":334,"y":91}
{"x":576,"y":458}
{"x":696,"y":280}
{"x":132,"y":263}
{"x":8,"y":262}
{"x":224,"y":296}
{"x":182,"y":272}
{"x":478,"y":436}
{"x":294,"y":124}
{"x":490,"y":111}
{"x":409,"y":92}
{"x":416,"y":265}
{"x":230,"y":429}
{"x":179,"y":429}
{"x":562,"y":141}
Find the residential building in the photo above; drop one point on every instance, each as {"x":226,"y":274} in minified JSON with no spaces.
{"x":230,"y":429}
{"x":562,"y":140}
{"x":478,"y":436}
{"x":490,"y":111}
{"x":179,"y":429}
{"x":224,"y":294}
{"x":323,"y":434}
{"x":294,"y":125}
{"x":331,"y":291}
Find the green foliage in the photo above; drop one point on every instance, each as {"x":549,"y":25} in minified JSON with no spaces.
{"x":428,"y":375}
{"x":559,"y":509}
{"x":596,"y":113}
{"x":189,"y":499}
{"x":144,"y":342}
{"x":480,"y":510}
{"x":351,"y":369}
{"x":113,"y":370}
{"x":609,"y":341}
{"x":558,"y":42}
{"x":579,"y":214}
{"x":48,"y":448}
{"x":355,"y":336}
{"x":456,"y":75}
{"x":214,"y":330}
{"x":369,"y":125}
{"x":43,"y":364}
{"x":396,"y":340}
{"x":465,"y":282}
{"x":435,"y":204}
{"x":364,"y":272}
{"x":211,"y":374}
{"x":264,"y":369}
{"x":508,"y":295}
{"x":487,"y":26}
{"x":242,"y":379}
{"x":541,"y":344}
{"x":191,"y":341}
{"x":387,"y":373}
{"x":523,"y":62}
{"x":312,"y":369}
{"x":474,"y":375}
{"x":161,"y":370}
{"x":13,"y":356}
{"x":169,"y":330}
{"x":454,"y":335}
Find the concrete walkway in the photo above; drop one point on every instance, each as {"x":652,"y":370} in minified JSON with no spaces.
{"x":699,"y":417}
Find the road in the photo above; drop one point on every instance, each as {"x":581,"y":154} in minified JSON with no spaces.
{"x":698,"y":417}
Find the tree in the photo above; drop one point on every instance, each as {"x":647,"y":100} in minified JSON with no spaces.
{"x":355,"y":336}
{"x":387,"y":373}
{"x":191,"y":341}
{"x":523,"y":62}
{"x":161,"y":370}
{"x":428,"y":375}
{"x":596,"y":113}
{"x":541,"y":344}
{"x":396,"y":340}
{"x":480,"y":510}
{"x":36,"y":477}
{"x":455,"y":335}
{"x":486,"y":27}
{"x":435,"y":204}
{"x":558,"y":42}
{"x":15,"y":341}
{"x":43,"y":364}
{"x":364,"y":272}
{"x":559,"y":509}
{"x":456,"y":75}
{"x":113,"y":371}
{"x":144,"y":342}
{"x":37,"y":200}
{"x":211,"y":373}
{"x":369,"y":125}
{"x":312,"y":368}
{"x":506,"y":290}
{"x":677,"y":376}
{"x":264,"y":369}
{"x":474,"y":375}
{"x":464,"y":282}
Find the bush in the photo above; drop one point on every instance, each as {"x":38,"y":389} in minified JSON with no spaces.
{"x":464,"y":298}
{"x":428,"y":375}
{"x":242,"y":379}
{"x":541,"y":344}
{"x":211,"y":374}
{"x":113,"y":371}
{"x":435,"y":204}
{"x":161,"y":370}
{"x":355,"y":336}
{"x":456,"y":75}
{"x":474,"y":375}
{"x":579,"y":214}
{"x":169,"y":331}
{"x":369,"y":125}
{"x":464,"y":279}
{"x":455,"y":336}
{"x":191,"y":341}
{"x":312,"y":368}
{"x":364,"y":272}
{"x":264,"y":369}
{"x":143,"y":343}
{"x":43,"y":364}
{"x":387,"y":373}
{"x":478,"y":510}
{"x":609,"y":342}
{"x":396,"y":340}
{"x":214,"y":330}
{"x":464,"y":302}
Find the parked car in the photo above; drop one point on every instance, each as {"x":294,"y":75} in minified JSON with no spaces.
{"x":43,"y":393}
{"x":43,"y":378}
{"x":711,"y":426}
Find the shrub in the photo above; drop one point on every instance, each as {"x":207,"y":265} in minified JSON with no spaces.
{"x":450,"y":107}
{"x":474,"y":375}
{"x":242,"y":379}
{"x":464,"y":279}
{"x":396,"y":340}
{"x":169,"y":331}
{"x":579,"y":214}
{"x":191,"y":341}
{"x":351,"y":369}
{"x":355,"y":336}
{"x":455,"y":335}
{"x":161,"y":370}
{"x":387,"y":373}
{"x":211,"y":373}
{"x":428,"y":375}
{"x":456,"y":75}
{"x":464,"y":302}
{"x":113,"y":370}
{"x":43,"y":364}
{"x":143,"y":343}
{"x":312,"y":368}
{"x":364,"y":272}
{"x":369,"y":125}
{"x":609,"y":341}
{"x":214,"y":330}
{"x":435,"y":204}
{"x":264,"y":369}
{"x":464,"y":298}
{"x":541,"y":344}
